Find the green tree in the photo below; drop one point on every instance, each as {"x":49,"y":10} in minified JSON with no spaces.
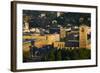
{"x":51,"y":56}
{"x":84,"y":53}
{"x":75,"y":54}
{"x":58,"y":55}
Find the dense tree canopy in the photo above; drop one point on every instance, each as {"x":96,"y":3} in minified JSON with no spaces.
{"x":54,"y":54}
{"x":45,"y":18}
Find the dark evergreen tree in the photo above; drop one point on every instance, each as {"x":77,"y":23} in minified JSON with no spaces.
{"x":51,"y":56}
{"x":58,"y":55}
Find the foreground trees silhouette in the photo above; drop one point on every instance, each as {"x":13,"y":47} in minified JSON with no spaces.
{"x":55,"y":54}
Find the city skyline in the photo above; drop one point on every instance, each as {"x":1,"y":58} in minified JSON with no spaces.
{"x":45,"y":32}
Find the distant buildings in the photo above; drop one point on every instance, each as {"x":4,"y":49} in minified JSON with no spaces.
{"x":41,"y":41}
{"x":40,"y":44}
{"x":54,"y":38}
{"x":59,"y":44}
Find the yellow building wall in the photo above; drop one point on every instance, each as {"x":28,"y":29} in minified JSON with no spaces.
{"x":52,"y":38}
{"x":59,"y":44}
{"x":83,"y":36}
{"x":62,"y":32}
{"x":27,"y":37}
{"x":39,"y":37}
{"x":40,"y":44}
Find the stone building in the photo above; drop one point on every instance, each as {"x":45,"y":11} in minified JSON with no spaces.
{"x":62,"y":32}
{"x":59,"y":45}
{"x":83,"y":36}
{"x":52,"y":38}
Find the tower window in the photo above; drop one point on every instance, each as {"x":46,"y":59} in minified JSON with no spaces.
{"x":82,"y":30}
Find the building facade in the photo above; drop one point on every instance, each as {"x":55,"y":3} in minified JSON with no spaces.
{"x":83,"y":36}
{"x":62,"y":32}
{"x":59,"y":45}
